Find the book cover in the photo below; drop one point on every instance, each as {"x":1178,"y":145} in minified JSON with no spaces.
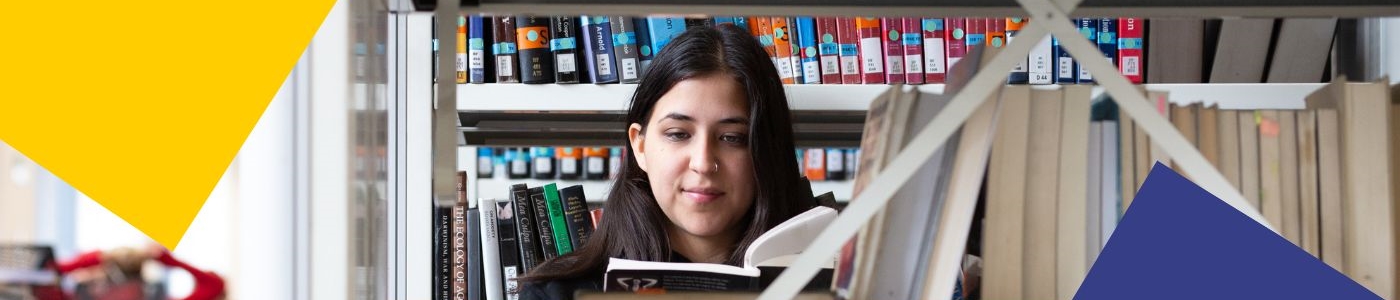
{"x":446,"y":241}
{"x":1020,"y":74}
{"x":1242,"y":50}
{"x":478,"y":36}
{"x":645,"y":53}
{"x":892,"y":33}
{"x":807,"y":47}
{"x":872,"y":54}
{"x":913,"y":51}
{"x":491,"y":251}
{"x":543,"y":225}
{"x":510,"y":248}
{"x":1089,"y":28}
{"x":1298,"y":55}
{"x":772,"y":249}
{"x":625,"y":49}
{"x":564,"y":45}
{"x":504,"y":48}
{"x":1107,"y":38}
{"x":533,"y":40}
{"x":1066,"y":70}
{"x":555,"y":206}
{"x":935,"y":48}
{"x":848,"y":40}
{"x":598,"y":49}
{"x":530,"y":254}
{"x":794,"y":54}
{"x":1180,"y":41}
{"x":957,"y":40}
{"x":1130,"y":34}
{"x":829,"y":50}
{"x":576,"y":216}
{"x":662,"y":30}
{"x":461,"y":49}
{"x":782,"y":47}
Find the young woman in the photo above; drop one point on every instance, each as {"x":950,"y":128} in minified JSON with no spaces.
{"x":710,"y":164}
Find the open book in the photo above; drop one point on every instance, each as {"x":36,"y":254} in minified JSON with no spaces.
{"x":763,"y":261}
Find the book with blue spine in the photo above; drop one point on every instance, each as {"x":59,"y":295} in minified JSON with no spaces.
{"x":478,"y":35}
{"x":807,"y":46}
{"x":598,"y":49}
{"x":723,"y":20}
{"x":742,"y":22}
{"x":1089,"y":28}
{"x":1107,"y":38}
{"x":662,"y":30}
{"x":645,"y":53}
{"x":625,"y":49}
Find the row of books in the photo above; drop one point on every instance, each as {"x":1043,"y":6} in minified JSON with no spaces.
{"x":805,"y":50}
{"x":480,"y":249}
{"x":602,"y":163}
{"x":827,"y":164}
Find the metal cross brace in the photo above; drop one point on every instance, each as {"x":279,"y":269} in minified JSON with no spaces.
{"x":1044,"y":16}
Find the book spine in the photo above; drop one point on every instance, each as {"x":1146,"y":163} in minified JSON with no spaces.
{"x":996,"y":32}
{"x":829,"y":49}
{"x":892,"y":34}
{"x":564,"y":45}
{"x":491,"y":252}
{"x":835,"y":164}
{"x":935,"y":51}
{"x":913,"y":51}
{"x":449,"y":280}
{"x":1089,"y":28}
{"x":595,"y":163}
{"x":1065,"y":68}
{"x":871,"y":50}
{"x":782,"y":47}
{"x":459,"y":229}
{"x":625,"y":49}
{"x":580,"y":224}
{"x":807,"y":47}
{"x":532,"y":37}
{"x":723,"y":20}
{"x":544,"y":227}
{"x":1107,"y":39}
{"x":956,"y":34}
{"x":1020,"y":74}
{"x":477,"y":50}
{"x":1130,"y":48}
{"x":569,"y":159}
{"x":509,"y":246}
{"x":742,"y":22}
{"x":976,"y":33}
{"x":1042,"y":62}
{"x":461,"y":49}
{"x":699,"y":22}
{"x":474,"y":276}
{"x":597,"y":216}
{"x":663,"y":30}
{"x":530,"y":254}
{"x":505,"y":50}
{"x":815,"y":164}
{"x":645,"y":53}
{"x":542,"y":159}
{"x":849,"y":40}
{"x":794,"y":54}
{"x":556,"y":219}
{"x":598,"y":49}
{"x":763,"y":30}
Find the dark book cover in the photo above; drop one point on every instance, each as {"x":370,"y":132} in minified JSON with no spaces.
{"x":564,"y":45}
{"x":697,"y":22}
{"x":1066,"y":70}
{"x":645,"y":53}
{"x":1107,"y":39}
{"x":475,"y":277}
{"x":543,"y":226}
{"x":444,"y":246}
{"x":478,"y":36}
{"x":580,"y":224}
{"x":510,"y":246}
{"x":504,"y":49}
{"x":555,"y":206}
{"x":532,"y":35}
{"x":598,"y":49}
{"x":835,"y":164}
{"x":530,"y":254}
{"x":625,"y":49}
{"x":1089,"y":28}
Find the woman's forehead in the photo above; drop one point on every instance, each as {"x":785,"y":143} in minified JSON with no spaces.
{"x":703,"y":99}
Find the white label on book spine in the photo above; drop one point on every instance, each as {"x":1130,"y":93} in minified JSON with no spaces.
{"x":1130,"y":65}
{"x":461,"y":62}
{"x":831,"y":64}
{"x":604,"y":66}
{"x":870,"y":55}
{"x":483,"y":164}
{"x":565,"y":63}
{"x":503,"y":66}
{"x":519,"y":167}
{"x":815,"y":159}
{"x":913,"y":64}
{"x":896,"y":64}
{"x":595,"y":165}
{"x":933,"y":56}
{"x":477,"y":59}
{"x":1041,"y":67}
{"x":512,"y":287}
{"x":796,"y":64}
{"x":568,"y":166}
{"x":1066,"y":67}
{"x":784,"y":67}
{"x":834,"y":160}
{"x":629,"y":68}
{"x":849,"y":65}
{"x":543,"y":165}
{"x":810,"y":74}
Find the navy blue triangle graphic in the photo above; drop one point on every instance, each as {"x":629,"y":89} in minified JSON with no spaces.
{"x":1178,"y":241}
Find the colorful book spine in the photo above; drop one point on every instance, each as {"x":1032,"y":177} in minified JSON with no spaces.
{"x":849,"y":40}
{"x":461,"y":49}
{"x":1020,"y":74}
{"x":976,"y":32}
{"x":598,"y":49}
{"x":892,"y":34}
{"x":576,"y":215}
{"x":625,"y":49}
{"x":663,"y":30}
{"x":544,"y":226}
{"x":645,"y":53}
{"x":807,"y":47}
{"x":1042,"y":62}
{"x":742,"y":22}
{"x":564,"y":45}
{"x":763,"y":30}
{"x":447,"y":242}
{"x":1107,"y":37}
{"x":530,"y":254}
{"x":935,"y":51}
{"x":872,"y":64}
{"x":913,"y":51}
{"x":532,"y":37}
{"x":477,"y":37}
{"x":957,"y":40}
{"x":996,"y":32}
{"x":1130,"y":39}
{"x":1089,"y":28}
{"x":556,"y":218}
{"x":723,"y":20}
{"x":814,"y":164}
{"x":794,"y":54}
{"x":504,"y":48}
{"x":829,"y":50}
{"x":782,"y":45}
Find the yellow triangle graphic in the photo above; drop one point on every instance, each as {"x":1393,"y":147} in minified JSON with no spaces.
{"x":142,"y":105}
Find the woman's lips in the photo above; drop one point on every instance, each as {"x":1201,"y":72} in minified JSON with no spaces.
{"x":702,"y":195}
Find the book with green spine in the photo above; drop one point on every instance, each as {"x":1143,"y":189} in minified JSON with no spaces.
{"x":556,"y":219}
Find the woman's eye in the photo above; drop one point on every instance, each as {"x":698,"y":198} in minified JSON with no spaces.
{"x":677,"y":135}
{"x":733,"y":139}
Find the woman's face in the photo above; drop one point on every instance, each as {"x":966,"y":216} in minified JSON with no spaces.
{"x":695,"y":154}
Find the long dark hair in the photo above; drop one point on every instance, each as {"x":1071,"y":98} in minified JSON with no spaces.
{"x":633,"y":225}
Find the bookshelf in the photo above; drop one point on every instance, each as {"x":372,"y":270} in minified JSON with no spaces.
{"x":540,"y":118}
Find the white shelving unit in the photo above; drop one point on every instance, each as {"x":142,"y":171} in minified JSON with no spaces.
{"x":597,"y":190}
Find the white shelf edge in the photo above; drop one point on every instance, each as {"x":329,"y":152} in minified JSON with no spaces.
{"x":596,"y":191}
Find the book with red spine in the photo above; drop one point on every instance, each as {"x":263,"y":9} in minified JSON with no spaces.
{"x":1130,"y":38}
{"x":913,"y":41}
{"x":893,"y":34}
{"x":848,"y":40}
{"x":935,"y":51}
{"x":829,"y":50}
{"x":956,"y":40}
{"x":872,"y":56}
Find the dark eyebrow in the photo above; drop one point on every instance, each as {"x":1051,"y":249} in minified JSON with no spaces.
{"x":685,"y":118}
